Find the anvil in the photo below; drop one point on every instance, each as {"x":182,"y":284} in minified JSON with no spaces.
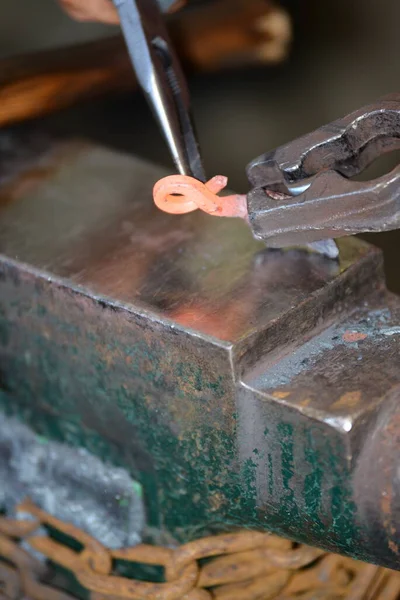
{"x":239,"y":386}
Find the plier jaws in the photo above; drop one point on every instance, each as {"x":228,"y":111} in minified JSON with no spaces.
{"x":302,"y":192}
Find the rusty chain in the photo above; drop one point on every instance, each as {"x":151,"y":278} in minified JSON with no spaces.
{"x":241,"y":566}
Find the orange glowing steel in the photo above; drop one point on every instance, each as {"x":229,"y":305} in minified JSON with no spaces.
{"x":179,"y":194}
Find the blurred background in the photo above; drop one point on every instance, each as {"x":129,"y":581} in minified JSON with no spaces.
{"x":344,"y":54}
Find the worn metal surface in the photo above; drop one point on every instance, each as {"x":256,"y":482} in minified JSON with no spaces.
{"x":333,"y":387}
{"x":302,"y":192}
{"x":238,"y":566}
{"x":154,"y":341}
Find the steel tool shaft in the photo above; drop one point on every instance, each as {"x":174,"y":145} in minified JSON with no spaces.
{"x":160,"y":76}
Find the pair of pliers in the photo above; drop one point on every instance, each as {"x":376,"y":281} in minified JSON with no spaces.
{"x":302,"y":192}
{"x":161,"y":78}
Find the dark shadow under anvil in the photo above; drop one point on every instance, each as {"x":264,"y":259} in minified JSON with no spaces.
{"x":242,"y":387}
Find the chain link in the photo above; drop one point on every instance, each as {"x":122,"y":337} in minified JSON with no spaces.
{"x":240,"y":566}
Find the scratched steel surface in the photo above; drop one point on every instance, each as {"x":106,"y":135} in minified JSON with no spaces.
{"x":366,"y":338}
{"x":183,"y":268}
{"x":156,"y":343}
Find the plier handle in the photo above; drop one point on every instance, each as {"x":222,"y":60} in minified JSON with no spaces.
{"x":302,"y":192}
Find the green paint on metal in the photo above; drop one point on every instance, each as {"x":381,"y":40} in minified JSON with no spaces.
{"x":249,"y":490}
{"x":41,"y":310}
{"x":138,"y":489}
{"x":42,"y":440}
{"x":289,"y":507}
{"x":270,"y":464}
{"x":167,"y":417}
{"x":4,"y":328}
{"x":343,"y":508}
{"x":313,"y":482}
{"x":270,"y":475}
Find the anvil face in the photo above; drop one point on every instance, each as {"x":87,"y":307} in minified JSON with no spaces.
{"x":159,"y":343}
{"x":92,"y":221}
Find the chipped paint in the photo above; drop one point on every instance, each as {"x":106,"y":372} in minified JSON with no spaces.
{"x":354,"y":336}
{"x":280,"y":395}
{"x":348,"y":400}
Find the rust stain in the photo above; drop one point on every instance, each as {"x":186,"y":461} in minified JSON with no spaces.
{"x":280,"y":395}
{"x":306,"y":402}
{"x":216,"y":501}
{"x":348,"y":400}
{"x":353,"y":336}
{"x":385,"y":503}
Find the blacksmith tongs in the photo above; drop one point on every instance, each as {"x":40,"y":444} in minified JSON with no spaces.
{"x":160,"y":76}
{"x":302,"y":192}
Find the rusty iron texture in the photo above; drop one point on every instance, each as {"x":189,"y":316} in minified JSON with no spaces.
{"x":302,"y":192}
{"x":240,"y":566}
{"x":242,"y":387}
